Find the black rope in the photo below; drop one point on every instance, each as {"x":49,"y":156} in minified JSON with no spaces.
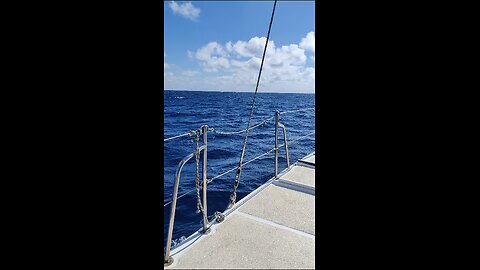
{"x":233,"y":197}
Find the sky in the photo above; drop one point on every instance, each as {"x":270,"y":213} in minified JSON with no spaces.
{"x":218,"y":46}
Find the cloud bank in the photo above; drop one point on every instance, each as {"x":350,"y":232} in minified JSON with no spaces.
{"x":234,"y":66}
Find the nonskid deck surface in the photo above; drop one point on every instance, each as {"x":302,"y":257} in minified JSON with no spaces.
{"x":273,"y":229}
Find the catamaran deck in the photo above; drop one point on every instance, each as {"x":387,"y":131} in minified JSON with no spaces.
{"x":273,"y":227}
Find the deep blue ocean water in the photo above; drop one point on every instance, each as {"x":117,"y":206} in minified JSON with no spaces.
{"x":228,"y":111}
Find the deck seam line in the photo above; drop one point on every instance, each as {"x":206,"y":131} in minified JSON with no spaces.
{"x":306,"y":165}
{"x":268,"y":222}
{"x":295,"y":186}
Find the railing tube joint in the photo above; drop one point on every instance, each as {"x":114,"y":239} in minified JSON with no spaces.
{"x":276,"y":143}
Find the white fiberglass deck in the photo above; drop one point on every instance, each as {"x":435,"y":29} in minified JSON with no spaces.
{"x":274,"y":227}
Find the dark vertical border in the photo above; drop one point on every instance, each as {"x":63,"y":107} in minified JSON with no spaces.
{"x":102,"y":138}
{"x":377,"y":80}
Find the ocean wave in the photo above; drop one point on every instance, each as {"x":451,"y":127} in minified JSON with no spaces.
{"x":228,"y":112}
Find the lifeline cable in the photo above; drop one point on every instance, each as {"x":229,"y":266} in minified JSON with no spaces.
{"x":233,"y":197}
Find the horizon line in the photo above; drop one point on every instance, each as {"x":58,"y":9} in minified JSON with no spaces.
{"x":230,"y":91}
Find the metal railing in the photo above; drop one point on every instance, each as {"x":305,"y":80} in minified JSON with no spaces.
{"x":168,"y":259}
{"x":278,"y":124}
{"x":204,"y":130}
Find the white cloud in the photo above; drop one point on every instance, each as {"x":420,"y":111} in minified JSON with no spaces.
{"x":229,"y":47}
{"x":308,"y":42}
{"x":186,"y":10}
{"x":216,"y":63}
{"x":288,"y":56}
{"x":213,"y":57}
{"x":254,"y":47}
{"x":190,"y":73}
{"x":310,"y":73}
{"x":211,"y":49}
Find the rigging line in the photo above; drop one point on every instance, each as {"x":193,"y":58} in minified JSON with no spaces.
{"x":175,"y":137}
{"x":233,"y":169}
{"x":192,"y":133}
{"x":241,"y":131}
{"x":233,"y":197}
{"x":299,"y":110}
{"x":220,"y":175}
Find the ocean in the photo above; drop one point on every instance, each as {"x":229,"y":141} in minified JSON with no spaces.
{"x":227,"y":112}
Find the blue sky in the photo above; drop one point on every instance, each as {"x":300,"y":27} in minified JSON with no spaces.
{"x":213,"y":45}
